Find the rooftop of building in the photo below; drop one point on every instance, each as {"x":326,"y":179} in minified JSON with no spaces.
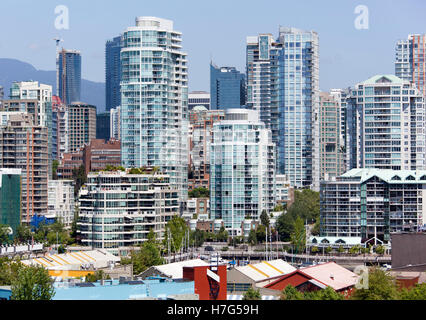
{"x":383,"y":78}
{"x":74,"y":260}
{"x":154,"y":289}
{"x":324,"y":275}
{"x":175,"y":270}
{"x":266,"y":269}
{"x":387,"y":175}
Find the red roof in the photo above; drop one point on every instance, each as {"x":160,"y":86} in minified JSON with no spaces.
{"x":329,"y":274}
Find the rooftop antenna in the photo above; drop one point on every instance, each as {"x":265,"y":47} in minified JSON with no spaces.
{"x":57,"y":41}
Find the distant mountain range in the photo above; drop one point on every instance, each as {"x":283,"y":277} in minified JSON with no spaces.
{"x":14,"y":70}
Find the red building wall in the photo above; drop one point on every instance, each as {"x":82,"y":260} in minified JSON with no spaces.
{"x":205,"y":287}
{"x":294,"y":279}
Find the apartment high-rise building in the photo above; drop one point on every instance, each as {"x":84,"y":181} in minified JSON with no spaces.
{"x":24,"y":146}
{"x":341,"y":96}
{"x":386,"y":125}
{"x":81,"y":125}
{"x":115,"y":123}
{"x":119,"y":209}
{"x":283,"y":85}
{"x":154,"y":100}
{"x":242,"y":169}
{"x":201,"y":123}
{"x":198,"y":98}
{"x":112,"y":73}
{"x":372,"y":203}
{"x":69,"y":76}
{"x":59,"y":128}
{"x":331,"y":148}
{"x":227,"y":88}
{"x":10,"y":198}
{"x":31,"y":97}
{"x":36,"y":99}
{"x":410,"y":61}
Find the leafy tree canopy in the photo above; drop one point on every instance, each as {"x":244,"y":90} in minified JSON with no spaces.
{"x":32,"y":283}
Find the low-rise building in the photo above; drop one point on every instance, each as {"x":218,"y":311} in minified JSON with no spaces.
{"x":284,"y":191}
{"x":61,"y":201}
{"x":318,"y":277}
{"x":198,"y":206}
{"x":68,"y":163}
{"x":98,"y":154}
{"x":258,"y":275}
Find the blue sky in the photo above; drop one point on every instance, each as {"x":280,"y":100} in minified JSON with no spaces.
{"x":216,"y":29}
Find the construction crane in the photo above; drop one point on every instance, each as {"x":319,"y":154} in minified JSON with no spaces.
{"x":57,"y":41}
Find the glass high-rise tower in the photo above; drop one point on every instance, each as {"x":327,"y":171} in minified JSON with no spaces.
{"x":242,"y":169}
{"x":112,"y":73}
{"x":283,"y":84}
{"x":227,"y":88}
{"x":69,"y":76}
{"x":154,"y":100}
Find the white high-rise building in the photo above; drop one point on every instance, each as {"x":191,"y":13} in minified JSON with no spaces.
{"x":154,"y":100}
{"x":115,"y":121}
{"x":386,"y":125}
{"x":242,"y":169}
{"x":32,"y":90}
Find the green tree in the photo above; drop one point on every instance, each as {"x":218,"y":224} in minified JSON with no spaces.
{"x":381,"y":286}
{"x":323,"y":294}
{"x":4,"y":234}
{"x":260,"y":233}
{"x":23,"y":233}
{"x":222,"y":235}
{"x":252,"y":294}
{"x":264,"y":219}
{"x":355,"y":249}
{"x":280,"y":207}
{"x":80,"y":178}
{"x":252,"y":239}
{"x":298,"y":236}
{"x":177,"y":229}
{"x":200,"y":192}
{"x":380,"y":249}
{"x":306,"y":205}
{"x":291,"y":293}
{"x":9,"y":270}
{"x":418,"y":292}
{"x":314,"y":249}
{"x":316,"y":229}
{"x":55,"y":164}
{"x":74,"y":227}
{"x":32,"y":283}
{"x":198,"y":237}
{"x":148,"y":256}
{"x":285,"y":226}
